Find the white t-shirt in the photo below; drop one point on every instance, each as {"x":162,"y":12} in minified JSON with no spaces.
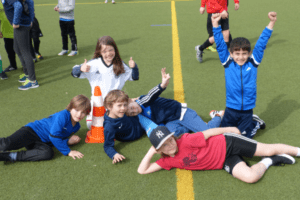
{"x":102,"y":75}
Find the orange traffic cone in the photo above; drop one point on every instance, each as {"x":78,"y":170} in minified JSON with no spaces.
{"x":96,"y":134}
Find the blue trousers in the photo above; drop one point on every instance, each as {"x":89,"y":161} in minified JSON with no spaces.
{"x":242,"y":119}
{"x":192,"y":122}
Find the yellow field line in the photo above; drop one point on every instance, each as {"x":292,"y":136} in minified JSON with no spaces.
{"x":185,"y":188}
{"x":162,"y":1}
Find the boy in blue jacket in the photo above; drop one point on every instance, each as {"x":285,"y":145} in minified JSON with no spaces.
{"x":176,"y":116}
{"x":240,"y":77}
{"x":39,"y":136}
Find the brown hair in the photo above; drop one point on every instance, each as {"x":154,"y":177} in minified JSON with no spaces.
{"x":240,"y":43}
{"x":117,"y":61}
{"x":80,"y":102}
{"x":115,"y":96}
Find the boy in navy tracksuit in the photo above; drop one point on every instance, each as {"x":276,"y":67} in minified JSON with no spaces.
{"x":117,"y":125}
{"x":177,"y":117}
{"x":240,"y":76}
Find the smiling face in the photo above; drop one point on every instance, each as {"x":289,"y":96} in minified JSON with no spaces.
{"x":133,"y":109}
{"x":108,"y":53}
{"x":240,"y":56}
{"x":169,"y":147}
{"x":117,"y":110}
{"x":77,"y":115}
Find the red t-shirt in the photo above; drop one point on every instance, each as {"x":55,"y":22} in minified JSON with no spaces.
{"x":216,"y":6}
{"x":196,"y":153}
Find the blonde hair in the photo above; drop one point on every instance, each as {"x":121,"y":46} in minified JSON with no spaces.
{"x":113,"y":97}
{"x":80,"y":102}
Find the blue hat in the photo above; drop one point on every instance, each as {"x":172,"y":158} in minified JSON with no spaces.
{"x":159,"y":135}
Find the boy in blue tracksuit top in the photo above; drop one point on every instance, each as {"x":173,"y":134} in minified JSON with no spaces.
{"x":39,"y":136}
{"x":240,"y":76}
{"x":177,"y":117}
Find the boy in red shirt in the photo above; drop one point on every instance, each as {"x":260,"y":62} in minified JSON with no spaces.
{"x":217,"y":148}
{"x":215,"y":6}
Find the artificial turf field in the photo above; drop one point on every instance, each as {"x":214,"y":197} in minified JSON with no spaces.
{"x":145,"y":31}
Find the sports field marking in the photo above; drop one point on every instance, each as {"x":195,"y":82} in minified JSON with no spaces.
{"x":163,"y":1}
{"x":185,"y":188}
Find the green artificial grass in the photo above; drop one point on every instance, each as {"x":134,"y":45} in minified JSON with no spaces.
{"x":129,"y":23}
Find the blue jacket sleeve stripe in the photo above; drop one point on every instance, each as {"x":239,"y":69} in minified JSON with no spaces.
{"x":150,"y":94}
{"x":224,"y":63}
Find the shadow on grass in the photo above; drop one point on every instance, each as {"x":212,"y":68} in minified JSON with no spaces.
{"x":278,"y":111}
{"x":271,"y":42}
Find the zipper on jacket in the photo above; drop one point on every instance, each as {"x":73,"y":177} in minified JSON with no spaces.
{"x":242,"y":86}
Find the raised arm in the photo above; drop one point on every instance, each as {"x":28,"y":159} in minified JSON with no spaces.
{"x":218,"y":36}
{"x":217,"y":131}
{"x":154,"y":93}
{"x":146,"y":167}
{"x":262,"y":41}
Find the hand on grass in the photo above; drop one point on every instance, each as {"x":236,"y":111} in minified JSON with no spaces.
{"x":131,"y":63}
{"x":118,"y":158}
{"x":75,"y":154}
{"x":202,"y":10}
{"x":74,"y":139}
{"x":165,"y":78}
{"x":236,"y":6}
{"x":85,"y":67}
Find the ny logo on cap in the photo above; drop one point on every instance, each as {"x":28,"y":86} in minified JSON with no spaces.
{"x":159,"y":134}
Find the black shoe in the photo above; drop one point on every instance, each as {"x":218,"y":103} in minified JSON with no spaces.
{"x":282,"y":159}
{"x":3,"y":76}
{"x":261,"y":122}
{"x":10,"y":68}
{"x":4,"y":156}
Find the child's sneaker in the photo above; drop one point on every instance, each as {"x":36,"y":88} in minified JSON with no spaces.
{"x":282,"y":159}
{"x":39,"y":56}
{"x":73,"y":53}
{"x":3,"y":76}
{"x":23,"y":78}
{"x":63,"y":52}
{"x":113,"y":2}
{"x":29,"y":84}
{"x":199,"y":53}
{"x":211,"y":49}
{"x":261,"y":122}
{"x":215,"y":113}
{"x":105,"y":1}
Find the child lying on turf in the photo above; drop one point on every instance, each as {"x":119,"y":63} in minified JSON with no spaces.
{"x":241,"y":77}
{"x":217,"y":148}
{"x":176,"y":116}
{"x":117,"y":125}
{"x":39,"y":136}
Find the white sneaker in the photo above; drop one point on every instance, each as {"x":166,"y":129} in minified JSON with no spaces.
{"x":73,"y":53}
{"x":215,"y":113}
{"x":113,"y":1}
{"x":63,"y":52}
{"x":105,"y":1}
